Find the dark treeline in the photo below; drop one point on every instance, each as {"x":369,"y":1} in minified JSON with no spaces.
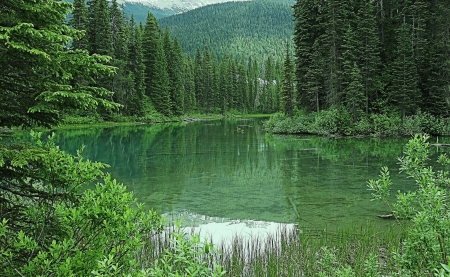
{"x":155,"y":76}
{"x":366,"y":57}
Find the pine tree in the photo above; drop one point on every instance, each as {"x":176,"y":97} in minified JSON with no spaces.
{"x":198,"y":79}
{"x":225,"y":85}
{"x":355,"y":100}
{"x":370,"y":61}
{"x":311,"y":54}
{"x":314,"y":97}
{"x":437,"y":86}
{"x":38,"y":70}
{"x":99,"y":28}
{"x":336,"y":16}
{"x":189,"y":85}
{"x":352,"y":79}
{"x":118,"y":31}
{"x":207,"y":80}
{"x":156,"y":76}
{"x":287,"y":91}
{"x":78,"y":21}
{"x":135,"y":68}
{"x":404,"y":91}
{"x":174,"y":57}
{"x":150,"y":41}
{"x":160,"y":84}
{"x":243,"y":88}
{"x":121,"y":82}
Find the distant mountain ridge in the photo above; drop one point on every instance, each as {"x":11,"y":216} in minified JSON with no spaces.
{"x":165,"y":8}
{"x":258,"y":29}
{"x":178,"y":5}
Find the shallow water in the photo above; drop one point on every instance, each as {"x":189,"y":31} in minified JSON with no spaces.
{"x":217,"y":171}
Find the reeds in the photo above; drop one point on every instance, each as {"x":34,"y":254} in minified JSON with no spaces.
{"x":295,"y":252}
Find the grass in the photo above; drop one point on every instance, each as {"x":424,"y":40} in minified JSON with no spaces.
{"x":292,"y":252}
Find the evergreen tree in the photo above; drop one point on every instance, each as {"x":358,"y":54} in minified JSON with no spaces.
{"x":122,"y":81}
{"x":435,"y":66}
{"x":370,"y":60}
{"x":38,"y":71}
{"x":335,"y":16}
{"x":404,"y":91}
{"x":174,"y":57}
{"x":99,"y":28}
{"x":207,"y":80}
{"x":118,"y":31}
{"x":306,"y":31}
{"x":252,"y":77}
{"x":313,"y":94}
{"x":160,"y":84}
{"x":78,"y":21}
{"x":189,"y":85}
{"x":156,"y":76}
{"x":150,"y":42}
{"x":225,"y":84}
{"x":243,"y":87}
{"x":352,"y":79}
{"x":354,"y":94}
{"x":198,"y":79}
{"x":135,"y":68}
{"x":288,"y":86}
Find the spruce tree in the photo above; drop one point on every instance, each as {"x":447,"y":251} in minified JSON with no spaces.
{"x":307,"y":31}
{"x":174,"y":57}
{"x":287,"y":91}
{"x":370,"y":60}
{"x":160,"y":84}
{"x":404,"y":91}
{"x":99,"y":28}
{"x":135,"y":68}
{"x":243,"y":87}
{"x":189,"y":85}
{"x":121,"y":82}
{"x":38,"y":70}
{"x":207,"y":80}
{"x":78,"y":21}
{"x":225,"y":85}
{"x":150,"y":39}
{"x":434,"y":66}
{"x":355,"y":99}
{"x":198,"y":79}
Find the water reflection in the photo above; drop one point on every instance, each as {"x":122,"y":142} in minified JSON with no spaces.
{"x":230,"y":169}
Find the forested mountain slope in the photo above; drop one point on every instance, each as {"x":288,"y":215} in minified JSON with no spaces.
{"x":241,"y":29}
{"x":140,"y":11}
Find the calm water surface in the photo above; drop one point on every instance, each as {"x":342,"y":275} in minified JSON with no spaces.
{"x":230,"y":169}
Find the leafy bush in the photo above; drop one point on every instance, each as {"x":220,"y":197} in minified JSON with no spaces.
{"x":50,"y":228}
{"x":427,"y":245}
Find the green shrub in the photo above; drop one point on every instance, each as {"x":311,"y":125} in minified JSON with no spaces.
{"x":50,"y":228}
{"x":427,"y":244}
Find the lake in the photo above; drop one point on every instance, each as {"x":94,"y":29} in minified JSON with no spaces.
{"x":230,"y":170}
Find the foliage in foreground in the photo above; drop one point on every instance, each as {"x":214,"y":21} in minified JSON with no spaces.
{"x":427,"y":244}
{"x":50,"y":228}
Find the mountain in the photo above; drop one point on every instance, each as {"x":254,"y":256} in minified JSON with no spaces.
{"x":140,"y":10}
{"x":241,"y":29}
{"x":164,"y":8}
{"x":178,"y":5}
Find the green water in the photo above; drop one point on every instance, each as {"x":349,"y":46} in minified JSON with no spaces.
{"x":231,"y":169}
